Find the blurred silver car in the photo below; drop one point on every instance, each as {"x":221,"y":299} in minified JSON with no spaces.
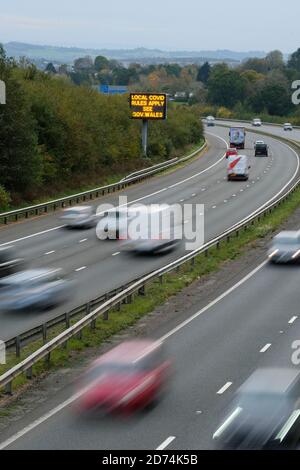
{"x":256,"y":122}
{"x":265,"y":412}
{"x":287,"y":126}
{"x":35,"y":288}
{"x":285,"y":247}
{"x":79,"y":217}
{"x":10,"y":263}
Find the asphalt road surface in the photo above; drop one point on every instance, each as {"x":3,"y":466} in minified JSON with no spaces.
{"x":100,"y":266}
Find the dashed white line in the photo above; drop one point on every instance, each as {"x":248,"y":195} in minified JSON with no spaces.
{"x":116,"y":254}
{"x":203,"y":189}
{"x":265,"y":348}
{"x":80,"y":269}
{"x":83,"y":240}
{"x":224,"y":388}
{"x":234,"y":195}
{"x":50,"y":252}
{"x":225,"y":200}
{"x":166,"y":443}
{"x":293,"y":319}
{"x":194,"y":194}
{"x":214,"y":207}
{"x":181,"y":200}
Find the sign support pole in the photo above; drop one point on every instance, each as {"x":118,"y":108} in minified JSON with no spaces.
{"x":145,"y":137}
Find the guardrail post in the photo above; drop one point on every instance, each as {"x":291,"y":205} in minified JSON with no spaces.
{"x":5,"y":220}
{"x":29,"y":373}
{"x":18,"y":346}
{"x":206,"y":253}
{"x":47,"y":359}
{"x":44,"y":332}
{"x":237,"y":233}
{"x":193,"y":261}
{"x":228,"y":238}
{"x":161,"y":279}
{"x":79,"y":335}
{"x":142,"y":290}
{"x":67,"y":316}
{"x":26,"y":215}
{"x":105,"y":315}
{"x":129,"y":299}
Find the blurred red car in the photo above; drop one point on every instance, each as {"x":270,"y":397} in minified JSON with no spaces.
{"x":230,"y":152}
{"x":131,"y":376}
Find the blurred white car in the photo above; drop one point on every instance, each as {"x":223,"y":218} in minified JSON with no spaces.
{"x":34,"y":289}
{"x":256,"y":122}
{"x":79,"y":217}
{"x":113,"y":224}
{"x":287,"y":127}
{"x":210,"y":121}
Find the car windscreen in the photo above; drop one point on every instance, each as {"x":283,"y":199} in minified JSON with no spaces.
{"x":286,"y":241}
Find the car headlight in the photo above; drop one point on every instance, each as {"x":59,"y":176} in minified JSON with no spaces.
{"x":273,"y":253}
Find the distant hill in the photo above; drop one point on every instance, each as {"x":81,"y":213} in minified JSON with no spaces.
{"x":69,"y":54}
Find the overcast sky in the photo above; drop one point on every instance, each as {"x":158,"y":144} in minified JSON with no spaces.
{"x":164,"y":24}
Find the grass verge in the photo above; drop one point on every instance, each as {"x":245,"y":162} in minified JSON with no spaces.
{"x":156,"y":293}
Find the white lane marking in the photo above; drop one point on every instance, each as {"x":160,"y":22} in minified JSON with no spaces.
{"x":265,"y":348}
{"x":134,"y":201}
{"x":116,"y":254}
{"x":83,"y":240}
{"x":50,"y":252}
{"x":199,"y":412}
{"x":194,"y":194}
{"x":225,"y":200}
{"x":213,"y":303}
{"x":241,"y":190}
{"x":224,"y":388}
{"x":80,"y":269}
{"x":234,"y":195}
{"x":186,"y":221}
{"x":181,"y":200}
{"x":179,"y":327}
{"x":214,"y":207}
{"x":293,"y":319}
{"x":166,"y":443}
{"x":203,"y":189}
{"x":281,"y":332}
{"x":33,"y":235}
{"x":39,"y":421}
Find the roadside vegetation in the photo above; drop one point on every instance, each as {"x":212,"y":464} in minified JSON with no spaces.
{"x":56,"y":136}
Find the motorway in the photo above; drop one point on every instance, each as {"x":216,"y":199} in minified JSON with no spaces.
{"x":101,"y":266}
{"x":214,"y":350}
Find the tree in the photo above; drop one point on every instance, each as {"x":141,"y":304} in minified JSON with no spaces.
{"x":226,"y":87}
{"x":294,"y":61}
{"x":50,"y":68}
{"x":204,"y":73}
{"x":274,"y":60}
{"x":272,"y":97}
{"x":101,"y":63}
{"x":20,"y":162}
{"x":83,"y":64}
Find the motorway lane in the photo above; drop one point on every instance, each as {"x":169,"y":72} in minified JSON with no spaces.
{"x":213,"y":354}
{"x":225,"y":204}
{"x":275,"y":130}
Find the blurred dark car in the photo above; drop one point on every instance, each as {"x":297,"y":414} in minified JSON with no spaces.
{"x":130,"y":377}
{"x":261,"y":149}
{"x":9,"y":261}
{"x":285,"y":247}
{"x":265,"y":413}
{"x":35,"y":288}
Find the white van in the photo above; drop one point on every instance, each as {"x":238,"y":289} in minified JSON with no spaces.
{"x":237,"y":167}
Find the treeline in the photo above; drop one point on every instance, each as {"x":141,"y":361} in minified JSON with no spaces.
{"x":258,"y":85}
{"x":56,"y":136}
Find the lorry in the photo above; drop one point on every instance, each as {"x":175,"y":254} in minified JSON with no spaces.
{"x":237,"y":136}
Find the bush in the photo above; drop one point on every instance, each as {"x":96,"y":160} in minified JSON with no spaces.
{"x":4,"y":199}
